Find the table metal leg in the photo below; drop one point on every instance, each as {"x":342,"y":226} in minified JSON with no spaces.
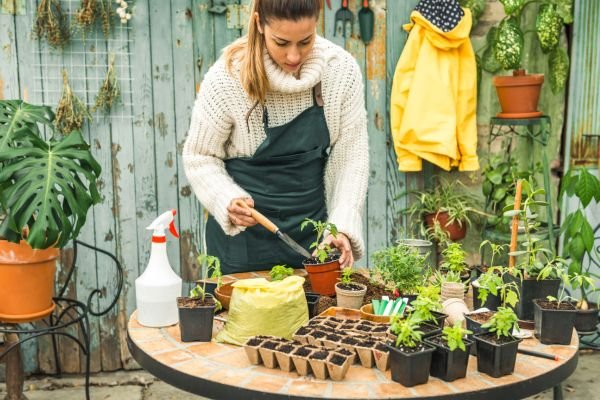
{"x":14,"y":369}
{"x":557,"y":392}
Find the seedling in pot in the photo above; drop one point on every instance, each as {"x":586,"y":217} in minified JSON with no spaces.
{"x":400,"y":267}
{"x":213,"y":265}
{"x":427,"y":302}
{"x":454,"y":259}
{"x":280,"y":272}
{"x":503,"y":322}
{"x":454,"y":336}
{"x":323,"y":251}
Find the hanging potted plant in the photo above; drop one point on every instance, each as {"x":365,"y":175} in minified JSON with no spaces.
{"x":519,"y":93}
{"x":349,"y":294}
{"x":46,"y":190}
{"x":497,"y":348}
{"x":324,"y":267}
{"x":451,"y":356}
{"x":196,"y":312}
{"x":410,"y":357}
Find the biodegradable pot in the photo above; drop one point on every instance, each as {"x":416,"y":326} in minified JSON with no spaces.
{"x":312,"y":301}
{"x":284,"y":358}
{"x":519,"y":94}
{"x":381,"y":354}
{"x":455,"y":309}
{"x":455,"y":230}
{"x":452,"y":290}
{"x":587,"y":320}
{"x":323,"y":277}
{"x":350,"y":298}
{"x":251,"y":348}
{"x":196,"y":324}
{"x":447,"y":364}
{"x":495,"y":359}
{"x":267,"y":353}
{"x":365,"y":353}
{"x":318,"y":363}
{"x":300,"y":359}
{"x":302,"y":335}
{"x":337,"y":366}
{"x":26,"y":282}
{"x":491,"y":303}
{"x":410,"y":369}
{"x":553,"y":326}
{"x":530,"y":289}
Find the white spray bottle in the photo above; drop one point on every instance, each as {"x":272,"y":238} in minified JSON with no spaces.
{"x":157,"y":289}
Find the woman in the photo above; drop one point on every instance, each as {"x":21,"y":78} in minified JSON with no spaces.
{"x":280,"y":123}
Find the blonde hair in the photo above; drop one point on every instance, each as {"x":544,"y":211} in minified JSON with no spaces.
{"x":249,"y":49}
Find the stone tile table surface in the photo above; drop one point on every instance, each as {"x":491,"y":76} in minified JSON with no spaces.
{"x":222,"y":371}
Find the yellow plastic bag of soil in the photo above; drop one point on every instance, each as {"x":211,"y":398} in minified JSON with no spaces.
{"x":260,"y":307}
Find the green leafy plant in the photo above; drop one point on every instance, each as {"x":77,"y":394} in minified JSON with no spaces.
{"x":505,"y":44}
{"x":454,"y":335}
{"x":578,"y":235}
{"x":454,"y":259}
{"x":406,"y":330}
{"x":493,"y":280}
{"x":46,"y":187}
{"x":280,"y":272}
{"x":210,"y":264}
{"x":346,"y":278}
{"x":427,"y":301}
{"x":400,"y":267}
{"x":323,"y":250}
{"x":502,"y":322}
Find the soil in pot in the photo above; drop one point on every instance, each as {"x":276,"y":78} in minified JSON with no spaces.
{"x":474,"y":322}
{"x":300,"y":359}
{"x":196,"y":318}
{"x":446,"y":364}
{"x":554,"y":322}
{"x":337,"y":366}
{"x":374,"y":289}
{"x":587,"y":320}
{"x":323,"y":276}
{"x":267,"y":353}
{"x":410,"y":366}
{"x":350,"y":295}
{"x":351,"y":354}
{"x":318,"y":363}
{"x":283,"y":356}
{"x":251,"y":348}
{"x":496,"y":356}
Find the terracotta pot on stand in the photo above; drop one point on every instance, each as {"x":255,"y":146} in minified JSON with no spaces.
{"x":519,"y":94}
{"x":456,"y":231}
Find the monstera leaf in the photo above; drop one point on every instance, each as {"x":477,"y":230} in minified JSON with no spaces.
{"x":45,"y":186}
{"x":548,"y":26}
{"x":558,"y":64}
{"x":508,"y":45}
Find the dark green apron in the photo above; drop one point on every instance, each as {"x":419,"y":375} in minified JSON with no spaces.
{"x":285,"y":179}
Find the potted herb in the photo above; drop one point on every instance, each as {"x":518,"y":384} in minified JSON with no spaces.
{"x":349,"y":294}
{"x":400,"y":267}
{"x":578,"y":243}
{"x":280,"y":272}
{"x":451,"y":356}
{"x":46,"y":190}
{"x":427,"y":306}
{"x":505,"y":48}
{"x":497,"y":349}
{"x":324,"y":267}
{"x":196,"y":312}
{"x":555,"y":316}
{"x":454,"y":261}
{"x":410,"y":357}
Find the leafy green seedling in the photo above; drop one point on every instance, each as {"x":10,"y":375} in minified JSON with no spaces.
{"x":280,"y":272}
{"x":454,"y":336}
{"x":322,"y":249}
{"x":502,"y":322}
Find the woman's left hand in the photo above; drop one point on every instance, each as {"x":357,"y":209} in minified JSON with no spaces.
{"x":342,"y":243}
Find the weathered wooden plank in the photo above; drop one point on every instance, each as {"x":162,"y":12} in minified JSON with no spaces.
{"x":376,"y":100}
{"x":222,"y":34}
{"x":164,"y":117}
{"x":9,"y":73}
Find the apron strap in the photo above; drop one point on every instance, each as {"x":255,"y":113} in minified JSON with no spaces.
{"x":318,"y":95}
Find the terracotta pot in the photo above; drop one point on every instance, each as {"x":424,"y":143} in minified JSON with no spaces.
{"x":519,"y":94}
{"x":323,"y":277}
{"x":455,"y":230}
{"x":223,"y":294}
{"x":350,"y":298}
{"x":26,"y":282}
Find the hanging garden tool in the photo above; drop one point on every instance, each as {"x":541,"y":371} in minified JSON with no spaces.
{"x":366,"y":21}
{"x":328,"y":4}
{"x":344,"y":15}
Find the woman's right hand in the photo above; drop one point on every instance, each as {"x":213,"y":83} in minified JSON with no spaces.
{"x":241,"y":216}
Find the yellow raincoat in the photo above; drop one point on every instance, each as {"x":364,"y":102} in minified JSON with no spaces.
{"x":434,"y":97}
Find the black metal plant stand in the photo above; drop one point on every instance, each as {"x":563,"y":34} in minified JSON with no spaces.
{"x":68,"y":312}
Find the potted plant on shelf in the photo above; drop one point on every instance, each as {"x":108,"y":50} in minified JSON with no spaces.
{"x":324,"y":267}
{"x":401,"y":268}
{"x":410,"y":357}
{"x":46,"y":190}
{"x":497,"y":348}
{"x":451,"y":355}
{"x":505,"y":48}
{"x":447,"y":206}
{"x":349,"y":294}
{"x":578,"y":243}
{"x":196,"y":312}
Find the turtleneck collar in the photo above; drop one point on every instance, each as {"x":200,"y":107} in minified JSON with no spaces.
{"x":311,"y":71}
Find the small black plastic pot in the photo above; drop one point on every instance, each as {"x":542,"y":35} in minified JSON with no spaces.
{"x":432,"y":330}
{"x":312,"y":299}
{"x":587,"y":320}
{"x":196,"y":324}
{"x":494,"y":359}
{"x":410,"y":369}
{"x":440,"y":317}
{"x":476,"y":328}
{"x":530,"y":289}
{"x":491,"y":303}
{"x":447,"y":364}
{"x":553,"y":326}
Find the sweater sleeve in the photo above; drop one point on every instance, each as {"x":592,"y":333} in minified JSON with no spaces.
{"x":347,"y":170}
{"x":204,"y":152}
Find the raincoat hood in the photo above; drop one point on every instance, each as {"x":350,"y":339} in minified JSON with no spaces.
{"x":437,"y":37}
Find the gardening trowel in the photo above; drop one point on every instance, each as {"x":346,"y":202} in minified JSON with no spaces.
{"x":366,"y":21}
{"x":267,"y":223}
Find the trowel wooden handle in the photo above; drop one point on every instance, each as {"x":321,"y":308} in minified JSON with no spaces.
{"x":261,"y":219}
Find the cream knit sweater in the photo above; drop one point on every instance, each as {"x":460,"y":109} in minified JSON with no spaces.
{"x":218,"y":131}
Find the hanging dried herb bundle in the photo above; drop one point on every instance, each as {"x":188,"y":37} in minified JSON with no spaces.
{"x":50,"y":23}
{"x":86,"y":15}
{"x":106,"y":14}
{"x":71,"y":111}
{"x":110,"y":90}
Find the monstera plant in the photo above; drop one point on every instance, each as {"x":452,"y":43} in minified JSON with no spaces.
{"x":46,"y":186}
